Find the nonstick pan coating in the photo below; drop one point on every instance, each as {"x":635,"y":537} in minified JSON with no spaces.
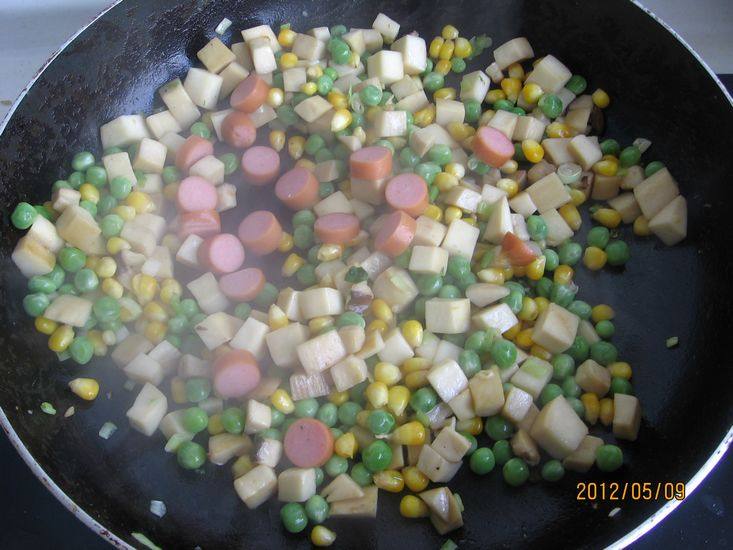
{"x":658,"y":90}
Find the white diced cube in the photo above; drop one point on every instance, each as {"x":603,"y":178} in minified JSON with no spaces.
{"x":119,"y":165}
{"x":462,"y":197}
{"x":555,"y":329}
{"x":348,"y":373}
{"x":550,"y":74}
{"x":413,"y":102}
{"x":446,"y":350}
{"x":447,"y":379}
{"x":585,"y":151}
{"x":296,"y":484}
{"x":263,"y":57}
{"x":312,"y":108}
{"x":251,"y":337}
{"x":261,"y":31}
{"x":215,"y":55}
{"x":150,"y":156}
{"x":258,"y":417}
{"x":386,"y":65}
{"x":505,"y":122}
{"x":256,"y":486}
{"x":355,"y":39}
{"x":335,"y":203}
{"x":522,"y":204}
{"x":188,"y":251}
{"x":449,"y":110}
{"x":548,"y":193}
{"x":205,"y":290}
{"x":243,"y":55}
{"x":44,"y":232}
{"x":656,"y":192}
{"x":387,"y":27}
{"x":499,"y":317}
{"x":321,"y":352}
{"x":321,"y":301}
{"x":491,"y":194}
{"x":231,"y":76}
{"x":429,"y":232}
{"x":532,"y":376}
{"x":148,"y":410}
{"x":474,"y":86}
{"x":396,"y":350}
{"x":557,"y":228}
{"x":283,"y":343}
{"x":528,"y":127}
{"x":179,"y":103}
{"x":217,"y":329}
{"x":226,"y":194}
{"x":461,"y":238}
{"x":203,"y":87}
{"x":162,"y":123}
{"x":390,"y":124}
{"x":308,"y":47}
{"x":210,"y":168}
{"x":428,"y":259}
{"x":404,"y":87}
{"x":500,"y":222}
{"x":448,"y":315}
{"x":144,"y":369}
{"x":414,"y":53}
{"x":294,"y":78}
{"x":670,"y":224}
{"x":123,"y":131}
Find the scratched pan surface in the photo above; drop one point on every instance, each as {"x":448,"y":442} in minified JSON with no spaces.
{"x":659,"y":92}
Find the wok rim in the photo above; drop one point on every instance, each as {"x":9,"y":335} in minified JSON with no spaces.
{"x":629,"y":538}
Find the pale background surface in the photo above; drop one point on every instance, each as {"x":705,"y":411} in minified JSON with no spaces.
{"x":27,"y":39}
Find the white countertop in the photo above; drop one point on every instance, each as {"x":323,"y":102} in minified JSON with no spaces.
{"x":31,"y":30}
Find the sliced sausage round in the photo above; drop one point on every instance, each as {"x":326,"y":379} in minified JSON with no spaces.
{"x":395,"y":233}
{"x":195,"y":193}
{"x":221,"y":253}
{"x":236,"y":373}
{"x":337,"y":228}
{"x":243,"y":285}
{"x":237,"y":130}
{"x":260,"y":232}
{"x":371,"y":163}
{"x":249,"y":94}
{"x":308,"y":443}
{"x":193,"y":150}
{"x":492,"y":147}
{"x":261,"y":165}
{"x":407,"y":192}
{"x":202,"y":223}
{"x":297,"y":189}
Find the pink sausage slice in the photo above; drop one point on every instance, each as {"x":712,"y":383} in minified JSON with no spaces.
{"x":202,"y":223}
{"x":221,"y":253}
{"x":492,"y":147}
{"x":261,"y":165}
{"x":243,"y":285}
{"x":395,"y":233}
{"x":407,"y":192}
{"x":236,"y":373}
{"x":193,"y":150}
{"x":238,"y":131}
{"x":249,"y":94}
{"x":195,"y":193}
{"x":297,"y":189}
{"x":308,"y":443}
{"x":260,"y":232}
{"x":337,"y":228}
{"x":371,"y":163}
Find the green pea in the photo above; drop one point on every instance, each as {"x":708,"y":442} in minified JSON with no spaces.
{"x":469,"y":362}
{"x":293,"y":517}
{"x":319,"y":476}
{"x":361,"y":475}
{"x":340,"y":51}
{"x":536,"y":227}
{"x":497,"y":427}
{"x":188,"y":307}
{"x":314,"y":143}
{"x":96,"y":175}
{"x":111,"y":225}
{"x":433,"y":81}
{"x":303,"y":236}
{"x":82,"y":161}
{"x":306,"y":408}
{"x":370,"y":95}
{"x":174,"y":339}
{"x":324,"y":84}
{"x":276,"y":418}
{"x":472,"y":110}
{"x":503,"y":105}
{"x":652,"y":168}
{"x":609,"y":458}
{"x":423,"y":399}
{"x":553,"y":470}
{"x":550,"y":105}
{"x":356,"y":393}
{"x":482,"y":461}
{"x":618,"y":252}
{"x":475,"y":341}
{"x":419,"y":307}
{"x":267,"y":296}
{"x":562,"y":295}
{"x":306,"y":275}
{"x":81,"y":350}
{"x":304,"y":217}
{"x":200,"y":129}
{"x":570,"y":253}
{"x":440,"y":154}
{"x":502,"y":450}
{"x":518,"y":111}
{"x":598,"y":236}
{"x":349,"y":318}
{"x":409,"y":158}
{"x":347,"y":413}
{"x":106,"y":309}
{"x":563,"y":366}
{"x":550,"y":392}
{"x":331,"y":73}
{"x":86,"y":280}
{"x":570,"y":387}
{"x":287,"y":115}
{"x":377,"y":456}
{"x":230,"y":163}
{"x":357,"y":120}
{"x":458,"y":267}
{"x":579,"y":349}
{"x":516,"y":472}
{"x":195,"y":420}
{"x":338,"y":30}
{"x":450,"y":292}
{"x":328,"y":414}
{"x":177,"y":324}
{"x":543,"y":287}
{"x":457,"y":65}
{"x":270,"y":433}
{"x":56,"y":276}
{"x":75,"y":179}
{"x":427,"y":171}
{"x":428,"y":67}
{"x":576,"y":84}
{"x":60,"y":184}
{"x":42,"y":284}
{"x":325,"y":189}
{"x":336,"y":465}
{"x":89,"y":206}
{"x":91,"y":323}
{"x":120,"y":187}
{"x":356,"y":274}
{"x":581,"y":309}
{"x":105,"y":204}
{"x":610,"y":147}
{"x":23,"y":216}
{"x":429,"y":284}
{"x":197,"y":389}
{"x":191,"y":455}
{"x":504,"y":353}
{"x":433,"y":193}
{"x":171,"y":174}
{"x":552,"y":260}
{"x":514,"y":301}
{"x":605,"y":329}
{"x":604,"y":353}
{"x":233,"y":420}
{"x":455,"y":339}
{"x":316,"y":508}
{"x":629,"y":156}
{"x":621,"y":385}
{"x":577,"y":406}
{"x":380,"y":422}
{"x":67,"y":288}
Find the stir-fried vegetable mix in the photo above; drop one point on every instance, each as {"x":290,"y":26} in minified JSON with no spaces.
{"x":429,"y":315}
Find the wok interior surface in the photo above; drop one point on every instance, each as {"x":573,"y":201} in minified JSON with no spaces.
{"x":658,"y":91}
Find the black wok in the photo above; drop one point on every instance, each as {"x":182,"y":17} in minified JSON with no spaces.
{"x":660,"y":91}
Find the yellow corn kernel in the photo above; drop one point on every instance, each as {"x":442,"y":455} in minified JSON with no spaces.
{"x":168,"y":289}
{"x":412,"y":331}
{"x":337,"y":99}
{"x":215,"y":425}
{"x":445,"y":93}
{"x":281,"y":400}
{"x":155,"y":331}
{"x":606,"y":167}
{"x":362,"y":418}
{"x":443,"y":67}
{"x":600,"y":99}
{"x":125,"y":212}
{"x":276,"y":318}
{"x":398,"y":399}
{"x":592,"y":407}
{"x":415,"y":480}
{"x":509,"y":167}
{"x":486,"y":116}
{"x":452,"y":213}
{"x":341,"y":120}
{"x":413,"y":507}
{"x":509,"y":186}
{"x":178,"y":390}
{"x":417,"y":379}
{"x":532,"y":150}
{"x":607,"y":217}
{"x":86,"y":388}
{"x":322,"y":536}
{"x":462,"y":48}
{"x":529,"y":311}
{"x":89,"y":193}
{"x":435,"y":45}
{"x":424,"y":117}
{"x":317,"y":324}
{"x":296,"y":146}
{"x":170,"y":191}
{"x":491,"y":275}
{"x":288,"y":60}
{"x":532,"y":93}
{"x":286,"y":37}
{"x":309,"y":88}
{"x":492,"y":96}
{"x":577,"y":197}
{"x":286,"y":242}
{"x":338,"y":397}
{"x":641,"y":227}
{"x":539,"y":351}
{"x":558,"y":130}
{"x":329,"y":252}
{"x":241,"y":466}
{"x":542,"y":304}
{"x":106,"y":267}
{"x":387,"y":373}
{"x":455,"y":169}
{"x":140,"y":201}
{"x":524,"y":338}
{"x":602,"y":312}
{"x":445,"y":181}
{"x":378,"y":325}
{"x":508,"y":273}
{"x":275,"y":97}
{"x":45,"y":326}
{"x":277,"y":140}
{"x":154,"y":311}
{"x":346,"y":446}
{"x":458,"y":130}
{"x":570,"y":214}
{"x":381,"y":310}
{"x":292,"y":264}
{"x":410,"y":433}
{"x":377,"y":393}
{"x":449,"y":32}
{"x":61,"y":338}
{"x":511,"y":87}
{"x":95,"y":337}
{"x":434,"y":212}
{"x":474,"y":425}
{"x":536,"y":269}
{"x":91,"y":262}
{"x":314,"y":72}
{"x":594,"y":258}
{"x":563,"y":274}
{"x":414,"y":364}
{"x":144,"y":287}
{"x":470,"y":220}
{"x":512,"y":332}
{"x":606,"y":411}
{"x":389,"y":480}
{"x":519,"y":270}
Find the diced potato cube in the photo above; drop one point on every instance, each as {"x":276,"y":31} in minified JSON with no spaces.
{"x":448,"y":315}
{"x":215,"y":55}
{"x":435,"y":467}
{"x":328,"y":170}
{"x":633,"y":177}
{"x":404,"y":87}
{"x":225,"y":446}
{"x":179,"y":103}
{"x":263,"y":57}
{"x":593,"y":377}
{"x":210,"y":168}
{"x":217,"y":329}
{"x":162,"y":123}
{"x":446,"y":350}
{"x":190,"y":366}
{"x":387,"y":27}
{"x":555,"y":329}
{"x":129,"y":348}
{"x":495,"y":73}
{"x":61,"y":199}
{"x":173,"y":143}
{"x":447,"y":379}
{"x":522,"y":204}
{"x":144,"y":369}
{"x":529,"y":127}
{"x":364,"y":506}
{"x":429,"y":232}
{"x":474,"y":86}
{"x":585,"y":151}
{"x":670,"y":224}
{"x":68,"y":309}
{"x":548,"y":193}
{"x":513,"y":51}
{"x":461,"y":238}
{"x":370,"y":191}
{"x":395,"y":286}
{"x":626,"y":205}
{"x":373,"y":344}
{"x":226,"y":197}
{"x":312,"y":108}
{"x":231,"y":76}
{"x":429,"y":259}
{"x":342,"y":488}
{"x":150,"y":156}
{"x":557,"y":150}
{"x":626,"y":416}
{"x":449,"y":110}
{"x":256,"y":486}
{"x":532,"y":376}
{"x":517,"y":404}
{"x":321,"y":352}
{"x":396,"y":349}
{"x":294,"y":78}
{"x":462,"y":406}
{"x":577,"y":119}
{"x":258,"y":417}
{"x":451,"y":445}
{"x":353,"y":337}
{"x":243,"y":55}
{"x":550,"y":74}
{"x":390,"y":124}
{"x":305,"y":386}
{"x":499,"y":317}
{"x":487,"y":392}
{"x":582,"y":459}
{"x":269,"y":452}
{"x":119,"y":165}
{"x":464,"y":198}
{"x":557,"y":228}
{"x":308,"y":47}
{"x":296,"y":484}
{"x":505,"y":122}
{"x":172,"y":424}
{"x":123,"y":131}
{"x":167,"y":355}
{"x":188,"y":251}
{"x":656,"y":192}
{"x":282,"y":344}
{"x":558,"y":429}
{"x":500,"y":222}
{"x":261,"y":31}
{"x":348,"y":373}
{"x":148,"y":410}
{"x":251,"y":337}
{"x":413,"y":51}
{"x":78,"y":227}
{"x":386,"y":66}
{"x":206,"y":291}
{"x":413,"y":102}
{"x":317,"y":302}
{"x":32,"y":258}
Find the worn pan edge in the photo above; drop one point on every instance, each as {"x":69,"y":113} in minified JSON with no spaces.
{"x":653,"y":520}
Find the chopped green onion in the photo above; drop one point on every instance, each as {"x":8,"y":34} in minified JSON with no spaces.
{"x":107,"y":429}
{"x":48,"y":408}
